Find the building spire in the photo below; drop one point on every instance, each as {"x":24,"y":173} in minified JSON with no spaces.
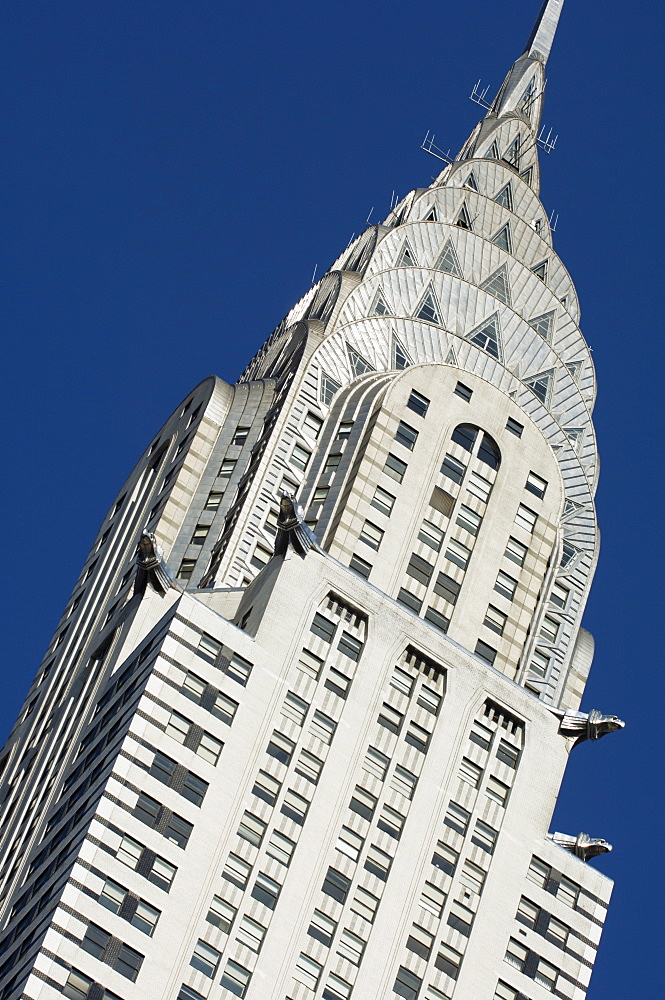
{"x":542,"y":36}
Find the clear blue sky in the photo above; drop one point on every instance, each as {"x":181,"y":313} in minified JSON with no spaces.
{"x":172,"y":172}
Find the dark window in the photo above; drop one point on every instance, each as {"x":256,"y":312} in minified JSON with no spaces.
{"x":350,"y":646}
{"x":489,"y":452}
{"x":508,"y":754}
{"x":418,"y":403}
{"x":360,"y":566}
{"x":395,"y":468}
{"x":266,"y":890}
{"x":336,"y":885}
{"x":280,"y":747}
{"x":409,"y":600}
{"x":95,"y":941}
{"x":464,"y":391}
{"x":147,"y":809}
{"x":448,"y":960}
{"x":194,"y":788}
{"x":420,"y":569}
{"x":162,"y":768}
{"x":406,"y":435}
{"x":465,"y":435}
{"x":453,"y":469}
{"x":514,"y":427}
{"x":436,"y":619}
{"x":128,"y":962}
{"x":485,"y":652}
{"x":323,"y":627}
{"x":447,"y":588}
{"x":178,"y":830}
{"x":407,"y":984}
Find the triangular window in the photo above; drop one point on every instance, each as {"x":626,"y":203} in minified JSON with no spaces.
{"x":570,"y":507}
{"x":380,"y":306}
{"x":497,"y":285}
{"x":448,"y":261}
{"x":540,"y":270}
{"x":328,"y":388}
{"x":406,"y":258}
{"x":451,"y":357}
{"x":574,"y":367}
{"x":463,"y":219}
{"x":471,"y":182}
{"x":541,"y":385}
{"x":358,"y":364}
{"x":400,"y":359}
{"x":527,"y":99}
{"x":544,"y":325}
{"x":486,"y":336}
{"x":527,"y":175}
{"x":505,"y":197}
{"x":514,"y":151}
{"x":575,"y":435}
{"x":431,"y":216}
{"x":428,"y":308}
{"x":502,"y":239}
{"x":493,"y":152}
{"x":568,"y":555}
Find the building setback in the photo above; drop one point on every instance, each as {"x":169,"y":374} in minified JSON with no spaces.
{"x":288,"y":749}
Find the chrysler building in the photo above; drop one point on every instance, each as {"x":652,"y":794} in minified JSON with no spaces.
{"x":301,"y":729}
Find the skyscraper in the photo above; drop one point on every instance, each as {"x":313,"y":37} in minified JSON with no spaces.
{"x":304,"y":748}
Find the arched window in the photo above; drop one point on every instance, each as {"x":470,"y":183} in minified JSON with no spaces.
{"x":467,"y":436}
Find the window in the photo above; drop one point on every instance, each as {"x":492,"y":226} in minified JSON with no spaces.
{"x":409,"y":600}
{"x":77,"y":985}
{"x":505,"y":992}
{"x":431,"y":535}
{"x":295,"y":708}
{"x":350,"y":947}
{"x":360,"y":566}
{"x":328,"y":388}
{"x":323,"y":627}
{"x":468,"y":519}
{"x":186,"y":570}
{"x":402,"y":681}
{"x":312,"y":424}
{"x":515,"y":551}
{"x":453,"y":469}
{"x":251,"y":934}
{"x":527,"y":913}
{"x":221,"y":914}
{"x":145,"y":917}
{"x":252,"y":828}
{"x":417,"y":737}
{"x":236,"y":978}
{"x":200,"y":534}
{"x":300,"y":457}
{"x":336,"y":885}
{"x":420,"y":569}
{"x":239,"y":669}
{"x":236,"y":870}
{"x":495,"y":619}
{"x":418,"y":403}
{"x":344,"y":429}
{"x":363,"y":803}
{"x":441,"y":501}
{"x":112,"y":896}
{"x":337,"y":988}
{"x":549,"y":630}
{"x":420,"y":941}
{"x":505,"y":585}
{"x":508,"y":754}
{"x":240,"y":435}
{"x":489,"y":453}
{"x":209,"y":648}
{"x":432,"y":899}
{"x":376,"y":763}
{"x":193,"y":687}
{"x":481,"y":735}
{"x":472,"y":876}
{"x":391,"y":821}
{"x":514,"y":427}
{"x":539,"y":664}
{"x":465,"y":436}
{"x":310,"y":664}
{"x":526,"y":518}
{"x":390,"y":718}
{"x":460,"y":918}
{"x":557,"y":932}
{"x":266,"y":890}
{"x":484,"y":836}
{"x":194,"y":788}
{"x":280,"y":747}
{"x":436,"y":619}
{"x":447,"y":588}
{"x":378,"y":862}
{"x":479,"y":487}
{"x":536,"y":485}
{"x":485,"y":652}
{"x":226,"y":468}
{"x":448,"y":961}
{"x":209,"y":748}
{"x":320,"y":494}
{"x":365,"y":904}
{"x":178,"y":830}
{"x":266,"y":787}
{"x":309,"y":766}
{"x":128,"y":963}
{"x":406,"y":435}
{"x":403,"y":781}
{"x":470,"y":772}
{"x":395,"y":468}
{"x":281,"y":848}
{"x":322,"y":928}
{"x":214,"y":500}
{"x":295,"y":806}
{"x":429,"y":700}
{"x":463,"y":392}
{"x":407,"y":984}
{"x":546,"y":975}
{"x":457,"y":818}
{"x":383,"y":501}
{"x":539,"y":872}
{"x":147,"y":809}
{"x":568,"y":891}
{"x":350,"y":646}
{"x":261,"y":556}
{"x":458,"y":553}
{"x":332,"y":463}
{"x":559,"y":596}
{"x":497,"y":791}
{"x":307,"y":971}
{"x":177,"y":728}
{"x":129,"y":852}
{"x":323,"y":727}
